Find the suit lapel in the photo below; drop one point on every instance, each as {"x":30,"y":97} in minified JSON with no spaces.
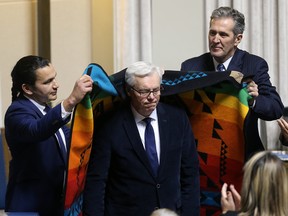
{"x":205,"y":64}
{"x":235,"y":64}
{"x":164,"y":126}
{"x":236,"y":61}
{"x":134,"y":138}
{"x":208,"y":64}
{"x":28,"y":103}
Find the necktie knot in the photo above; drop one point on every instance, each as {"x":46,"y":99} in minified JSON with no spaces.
{"x":220,"y":67}
{"x":47,"y":108}
{"x":147,"y":120}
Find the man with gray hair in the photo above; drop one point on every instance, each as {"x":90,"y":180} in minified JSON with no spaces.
{"x":143,"y":154}
{"x":225,"y":34}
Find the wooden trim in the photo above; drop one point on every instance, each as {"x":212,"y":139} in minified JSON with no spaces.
{"x":7,"y":155}
{"x":44,"y":29}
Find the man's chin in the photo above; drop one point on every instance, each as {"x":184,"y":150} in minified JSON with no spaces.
{"x":216,"y":52}
{"x":53,"y":98}
{"x":217,"y":55}
{"x":150,"y":108}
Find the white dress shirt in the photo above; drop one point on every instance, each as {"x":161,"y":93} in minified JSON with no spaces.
{"x":141,"y":125}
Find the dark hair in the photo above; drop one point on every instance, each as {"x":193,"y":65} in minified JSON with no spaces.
{"x":237,"y":17}
{"x":24,"y":72}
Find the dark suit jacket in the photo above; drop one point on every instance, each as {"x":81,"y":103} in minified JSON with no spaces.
{"x":120,"y":181}
{"x":268,"y":104}
{"x":36,"y":172}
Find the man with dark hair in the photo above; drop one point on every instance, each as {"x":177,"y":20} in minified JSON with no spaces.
{"x":37,"y":137}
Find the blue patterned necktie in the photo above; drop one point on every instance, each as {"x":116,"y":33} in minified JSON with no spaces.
{"x":220,"y":67}
{"x":59,"y":138}
{"x":150,"y":145}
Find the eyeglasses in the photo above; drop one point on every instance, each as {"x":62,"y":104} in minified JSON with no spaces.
{"x":147,"y":92}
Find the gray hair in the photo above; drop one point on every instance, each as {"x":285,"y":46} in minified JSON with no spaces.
{"x":163,"y":212}
{"x":141,"y":69}
{"x":228,"y":12}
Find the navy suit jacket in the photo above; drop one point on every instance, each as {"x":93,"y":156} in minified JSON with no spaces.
{"x":268,"y":104}
{"x":36,"y":172}
{"x":120,"y":181}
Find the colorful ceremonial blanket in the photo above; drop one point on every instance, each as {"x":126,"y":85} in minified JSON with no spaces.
{"x":216,"y":104}
{"x":217,"y":114}
{"x":93,"y":105}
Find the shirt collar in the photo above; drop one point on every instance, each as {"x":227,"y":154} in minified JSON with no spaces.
{"x":226,"y":63}
{"x":39,"y":106}
{"x":138,"y":117}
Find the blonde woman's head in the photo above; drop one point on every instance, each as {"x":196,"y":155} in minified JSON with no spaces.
{"x":264,"y":189}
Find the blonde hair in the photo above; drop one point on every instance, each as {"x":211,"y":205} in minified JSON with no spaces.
{"x":264,"y":189}
{"x":163,"y":212}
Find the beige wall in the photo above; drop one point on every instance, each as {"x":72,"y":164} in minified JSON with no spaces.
{"x":102,"y":34}
{"x":17,"y":38}
{"x":177,"y":31}
{"x":82,"y":33}
{"x":71,"y":41}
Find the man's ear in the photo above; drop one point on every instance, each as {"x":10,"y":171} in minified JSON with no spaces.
{"x":27,"y":89}
{"x":238,"y":39}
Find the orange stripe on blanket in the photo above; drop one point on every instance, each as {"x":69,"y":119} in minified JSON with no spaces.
{"x":76,"y":185}
{"x":83,"y":124}
{"x":213,"y":144}
{"x":84,"y":112}
{"x":80,"y":153}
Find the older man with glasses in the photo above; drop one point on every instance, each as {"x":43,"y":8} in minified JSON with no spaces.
{"x":144,"y":154}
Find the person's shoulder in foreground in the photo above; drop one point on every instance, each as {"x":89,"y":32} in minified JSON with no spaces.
{"x":264,"y":189}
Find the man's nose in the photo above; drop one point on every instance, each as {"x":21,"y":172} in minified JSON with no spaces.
{"x":216,"y":38}
{"x":151,"y":95}
{"x":55,"y":84}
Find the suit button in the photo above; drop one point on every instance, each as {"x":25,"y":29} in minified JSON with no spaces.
{"x":158,"y":186}
{"x":156,"y":208}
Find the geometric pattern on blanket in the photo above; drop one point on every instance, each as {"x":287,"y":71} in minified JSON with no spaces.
{"x":203,"y":94}
{"x":217,"y":116}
